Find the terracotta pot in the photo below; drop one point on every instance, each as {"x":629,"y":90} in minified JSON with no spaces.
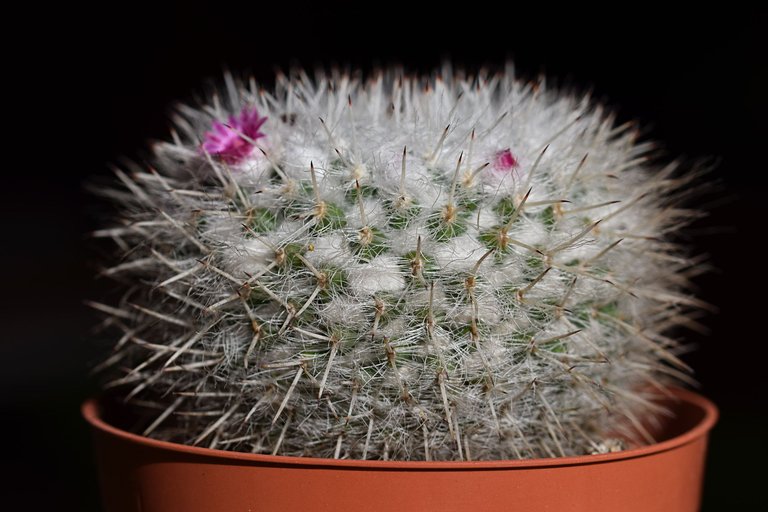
{"x":142,"y":474}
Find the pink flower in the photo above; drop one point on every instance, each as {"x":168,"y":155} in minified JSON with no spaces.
{"x":232,"y":141}
{"x":504,"y":161}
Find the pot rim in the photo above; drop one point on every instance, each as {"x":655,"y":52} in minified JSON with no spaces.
{"x":91,"y":412}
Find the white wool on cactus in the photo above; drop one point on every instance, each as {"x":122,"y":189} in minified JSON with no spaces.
{"x":434,"y":268}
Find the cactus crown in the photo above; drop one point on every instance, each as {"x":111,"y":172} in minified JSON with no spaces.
{"x":438,"y":268}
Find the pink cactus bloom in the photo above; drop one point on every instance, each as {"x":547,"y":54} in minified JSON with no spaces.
{"x":504,"y":161}
{"x":232,"y":141}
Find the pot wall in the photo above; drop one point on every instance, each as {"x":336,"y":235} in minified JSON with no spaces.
{"x":140,"y":474}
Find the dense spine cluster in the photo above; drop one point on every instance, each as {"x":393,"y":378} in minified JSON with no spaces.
{"x":439,"y":268}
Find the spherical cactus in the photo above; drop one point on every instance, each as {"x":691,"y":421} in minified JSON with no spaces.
{"x":437,"y":268}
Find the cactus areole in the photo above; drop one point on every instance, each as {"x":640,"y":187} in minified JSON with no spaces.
{"x":435,"y":268}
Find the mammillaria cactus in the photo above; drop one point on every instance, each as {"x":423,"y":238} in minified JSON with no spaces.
{"x":436,"y":268}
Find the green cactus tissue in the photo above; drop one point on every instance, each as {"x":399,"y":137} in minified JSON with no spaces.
{"x":447,"y":267}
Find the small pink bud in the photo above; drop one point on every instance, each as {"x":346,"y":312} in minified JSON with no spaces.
{"x":232,"y":141}
{"x":504,"y":160}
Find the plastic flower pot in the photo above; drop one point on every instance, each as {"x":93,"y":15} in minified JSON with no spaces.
{"x":142,"y":474}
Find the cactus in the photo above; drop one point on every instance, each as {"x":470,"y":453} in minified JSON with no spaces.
{"x":428,"y":268}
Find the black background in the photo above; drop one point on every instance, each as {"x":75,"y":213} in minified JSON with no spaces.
{"x":100,"y":86}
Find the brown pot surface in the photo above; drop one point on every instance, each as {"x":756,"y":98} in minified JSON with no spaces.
{"x":142,"y":474}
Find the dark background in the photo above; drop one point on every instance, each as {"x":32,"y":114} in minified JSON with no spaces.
{"x":100,"y":86}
